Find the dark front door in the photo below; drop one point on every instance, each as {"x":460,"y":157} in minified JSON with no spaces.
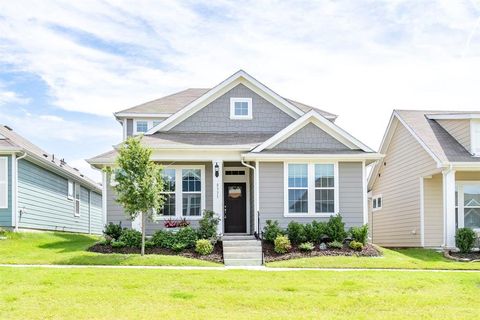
{"x":235,"y":201}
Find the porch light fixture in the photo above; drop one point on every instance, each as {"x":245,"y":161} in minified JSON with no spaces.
{"x":217,"y":169}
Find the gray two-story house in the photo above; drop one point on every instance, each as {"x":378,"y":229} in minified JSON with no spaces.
{"x":247,"y":153}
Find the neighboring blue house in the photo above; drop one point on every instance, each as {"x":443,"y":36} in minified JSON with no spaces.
{"x":39,"y":191}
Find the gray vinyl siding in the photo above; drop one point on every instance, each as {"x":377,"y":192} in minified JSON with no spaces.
{"x":42,"y":198}
{"x":397,"y":224}
{"x":6,"y":213}
{"x":215,"y":117}
{"x":116,"y":214}
{"x":310,"y":137}
{"x":459,"y":129}
{"x":129,"y":127}
{"x":96,"y":212}
{"x":272,"y":194}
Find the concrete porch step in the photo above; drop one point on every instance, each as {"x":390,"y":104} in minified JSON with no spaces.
{"x":241,"y":243}
{"x":230,"y":237}
{"x":241,"y":255}
{"x":243,"y":262}
{"x":242,"y":249}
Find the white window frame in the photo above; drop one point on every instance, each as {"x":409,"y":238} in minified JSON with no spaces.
{"x":5,"y":182}
{"x":70,"y":190}
{"x":149,"y":122}
{"x":474,"y":139}
{"x":77,"y":191}
{"x":375,"y":199}
{"x":311,"y":190}
{"x":171,"y":192}
{"x":460,"y":206}
{"x":233,"y":116}
{"x":179,"y":192}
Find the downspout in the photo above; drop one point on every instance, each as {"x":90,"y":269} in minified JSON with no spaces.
{"x":15,"y":208}
{"x":256,"y":192}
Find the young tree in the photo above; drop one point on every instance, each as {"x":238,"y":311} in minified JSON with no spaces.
{"x":139,"y":182}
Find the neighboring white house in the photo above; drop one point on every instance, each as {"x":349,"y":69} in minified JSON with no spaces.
{"x":428,"y":183}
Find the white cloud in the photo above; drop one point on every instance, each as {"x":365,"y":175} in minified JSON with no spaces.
{"x":357,"y":59}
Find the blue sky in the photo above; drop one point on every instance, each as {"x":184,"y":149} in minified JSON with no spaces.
{"x":66,"y":66}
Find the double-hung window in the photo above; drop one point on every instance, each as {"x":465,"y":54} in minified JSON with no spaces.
{"x":3,"y":182}
{"x":77,"y":200}
{"x":70,"y":189}
{"x":169,"y":177}
{"x":468,"y":204}
{"x":311,"y":189}
{"x":184,"y":192}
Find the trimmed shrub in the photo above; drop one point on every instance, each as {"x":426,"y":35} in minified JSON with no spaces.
{"x":149,"y":244}
{"x":178,"y":247}
{"x":105,"y":241}
{"x":114,"y":231}
{"x":360,"y":234}
{"x":355,"y":245}
{"x":465,"y":239}
{"x":306,"y":246}
{"x":315,"y":231}
{"x":271,"y":231}
{"x":131,"y":238}
{"x":296,"y":232}
{"x":203,"y":247}
{"x":335,"y":245}
{"x":164,"y":239}
{"x":118,"y":244}
{"x":282,"y":244}
{"x":186,"y":238}
{"x":335,"y":228}
{"x":208,"y":225}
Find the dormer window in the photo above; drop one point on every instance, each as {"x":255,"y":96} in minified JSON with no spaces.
{"x":142,"y":126}
{"x":241,"y":108}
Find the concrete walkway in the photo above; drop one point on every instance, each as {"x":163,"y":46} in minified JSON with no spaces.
{"x":256,"y":268}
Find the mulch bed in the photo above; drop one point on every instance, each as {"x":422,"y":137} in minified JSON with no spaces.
{"x":463,"y":257}
{"x":215,"y":256}
{"x":270,"y":254}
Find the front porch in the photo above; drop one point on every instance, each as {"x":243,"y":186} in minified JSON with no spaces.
{"x":449,"y":200}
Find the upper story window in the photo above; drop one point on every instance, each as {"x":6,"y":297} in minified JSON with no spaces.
{"x":241,"y":108}
{"x":377,"y":202}
{"x":141,"y":126}
{"x":70,"y":190}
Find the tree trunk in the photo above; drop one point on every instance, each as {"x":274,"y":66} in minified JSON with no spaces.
{"x":144,"y":222}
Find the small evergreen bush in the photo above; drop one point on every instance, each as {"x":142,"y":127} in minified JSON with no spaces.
{"x":335,"y":245}
{"x":186,"y":237}
{"x":208,"y":225}
{"x":282,"y":244}
{"x":149,"y":244}
{"x":465,"y":239}
{"x":360,"y":234}
{"x":164,"y":239}
{"x":355,"y":245}
{"x":271,"y":231}
{"x":131,"y":238}
{"x":335,"y":228}
{"x":203,"y":247}
{"x":296,"y":232}
{"x":113,"y":231}
{"x":306,"y":246}
{"x":118,"y":244}
{"x":314,"y":231}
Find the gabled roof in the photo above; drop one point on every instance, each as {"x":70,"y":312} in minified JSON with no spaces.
{"x":168,"y":105}
{"x":290,"y":107}
{"x":14,"y":142}
{"x":320,"y":121}
{"x":435,"y":140}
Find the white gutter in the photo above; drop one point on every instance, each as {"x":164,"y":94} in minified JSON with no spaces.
{"x":15,"y":206}
{"x":256,"y":192}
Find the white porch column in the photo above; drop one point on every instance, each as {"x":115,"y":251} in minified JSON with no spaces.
{"x":449,"y":208}
{"x":217,"y":178}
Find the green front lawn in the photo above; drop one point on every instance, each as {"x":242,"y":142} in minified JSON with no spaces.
{"x":36,"y":293}
{"x":398,"y":259}
{"x":68,"y":248}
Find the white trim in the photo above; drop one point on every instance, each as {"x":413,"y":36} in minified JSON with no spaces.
{"x":257,"y":196}
{"x":365,"y":193}
{"x":248,"y":116}
{"x":142,"y":115}
{"x":240,"y":179}
{"x":6,"y":182}
{"x":474,"y":144}
{"x":149,"y":124}
{"x":14,"y":190}
{"x":422,"y":212}
{"x":449,"y":208}
{"x":240,"y":77}
{"x":321,"y":122}
{"x":77,"y":189}
{"x":453,"y":116}
{"x":70,"y":196}
{"x":282,"y":156}
{"x":124,"y":125}
{"x":217,"y":193}
{"x":461,"y":201}
{"x":104,"y":197}
{"x":310,"y":189}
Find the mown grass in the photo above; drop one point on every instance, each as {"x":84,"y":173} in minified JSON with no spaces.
{"x":36,"y":293}
{"x":70,"y":249}
{"x":399,"y":258}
